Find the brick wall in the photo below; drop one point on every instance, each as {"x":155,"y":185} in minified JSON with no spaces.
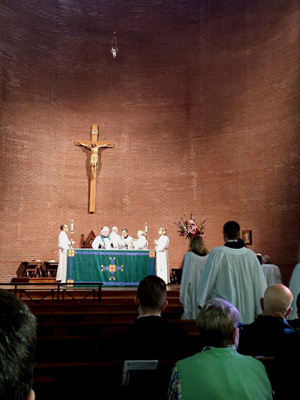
{"x":202,"y":103}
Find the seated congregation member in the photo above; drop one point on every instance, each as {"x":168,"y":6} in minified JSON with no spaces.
{"x":271,"y":271}
{"x":232,"y":272}
{"x":151,"y":336}
{"x":219,"y":371}
{"x":103,"y":240}
{"x":17,"y":347}
{"x":141,"y":243}
{"x":294,"y":286}
{"x":193,"y":266}
{"x":271,"y":335}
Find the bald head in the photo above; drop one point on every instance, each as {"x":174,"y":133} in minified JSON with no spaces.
{"x":277,"y":301}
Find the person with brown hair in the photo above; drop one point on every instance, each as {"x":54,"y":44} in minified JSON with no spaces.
{"x":151,"y":336}
{"x":193,"y":266}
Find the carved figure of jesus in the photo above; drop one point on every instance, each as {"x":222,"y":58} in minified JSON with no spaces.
{"x":93,"y":147}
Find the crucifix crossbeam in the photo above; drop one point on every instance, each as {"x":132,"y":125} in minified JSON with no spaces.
{"x":93,"y":146}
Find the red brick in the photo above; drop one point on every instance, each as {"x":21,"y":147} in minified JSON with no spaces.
{"x":202,"y":103}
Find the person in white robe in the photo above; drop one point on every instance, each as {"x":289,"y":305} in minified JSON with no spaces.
{"x":294,"y":287}
{"x":103,"y":241}
{"x":141,"y":243}
{"x":162,"y":260}
{"x":233,"y":272}
{"x":115,"y":238}
{"x":271,"y":271}
{"x":193,"y":266}
{"x":126,"y":240}
{"x":63,"y":245}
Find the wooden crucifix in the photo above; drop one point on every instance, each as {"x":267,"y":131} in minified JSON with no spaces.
{"x":93,"y":145}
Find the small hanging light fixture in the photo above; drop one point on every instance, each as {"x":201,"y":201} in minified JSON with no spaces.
{"x":114,"y":45}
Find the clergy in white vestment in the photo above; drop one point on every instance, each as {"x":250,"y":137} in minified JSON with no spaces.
{"x":193,"y":266}
{"x":162,"y":260}
{"x":126,"y":240}
{"x":141,"y":243}
{"x":294,"y":287}
{"x":115,"y":238}
{"x":63,"y":245}
{"x":103,"y":241}
{"x":233,"y":272}
{"x":271,"y":271}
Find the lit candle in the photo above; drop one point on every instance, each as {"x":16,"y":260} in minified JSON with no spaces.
{"x":146,"y":227}
{"x":72,"y":226}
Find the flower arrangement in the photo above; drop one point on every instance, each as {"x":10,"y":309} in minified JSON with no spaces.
{"x":188,"y":227}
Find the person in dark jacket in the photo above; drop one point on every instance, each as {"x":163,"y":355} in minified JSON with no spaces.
{"x":271,"y":335}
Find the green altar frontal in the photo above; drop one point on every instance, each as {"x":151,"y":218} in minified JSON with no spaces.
{"x":111,"y":267}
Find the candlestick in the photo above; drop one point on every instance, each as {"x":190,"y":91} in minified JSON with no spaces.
{"x":72,"y":231}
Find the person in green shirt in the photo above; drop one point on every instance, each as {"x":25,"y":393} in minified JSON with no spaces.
{"x":219,"y":372}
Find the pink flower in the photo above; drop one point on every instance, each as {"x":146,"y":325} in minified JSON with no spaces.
{"x":189,"y":228}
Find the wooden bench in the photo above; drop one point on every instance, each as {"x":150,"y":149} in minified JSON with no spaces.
{"x":91,"y":379}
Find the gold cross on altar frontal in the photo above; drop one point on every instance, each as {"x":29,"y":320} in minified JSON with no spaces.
{"x":93,"y":145}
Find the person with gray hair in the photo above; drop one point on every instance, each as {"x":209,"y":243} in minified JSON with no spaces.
{"x":115,"y":237}
{"x":219,"y":371}
{"x":17,"y":348}
{"x":103,"y":240}
{"x":141,"y":243}
{"x":271,"y":271}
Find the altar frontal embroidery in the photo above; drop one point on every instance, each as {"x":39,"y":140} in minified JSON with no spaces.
{"x":112,"y":268}
{"x":71,"y":253}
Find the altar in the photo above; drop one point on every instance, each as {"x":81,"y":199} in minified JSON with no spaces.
{"x":111,"y":267}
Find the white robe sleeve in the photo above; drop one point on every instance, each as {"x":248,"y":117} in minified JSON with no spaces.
{"x":141,"y":243}
{"x":63,"y":241}
{"x":234,"y":275}
{"x":162,"y":243}
{"x":208,"y":278}
{"x":96,"y":242}
{"x":185,"y":287}
{"x":193,"y":266}
{"x":294,"y":287}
